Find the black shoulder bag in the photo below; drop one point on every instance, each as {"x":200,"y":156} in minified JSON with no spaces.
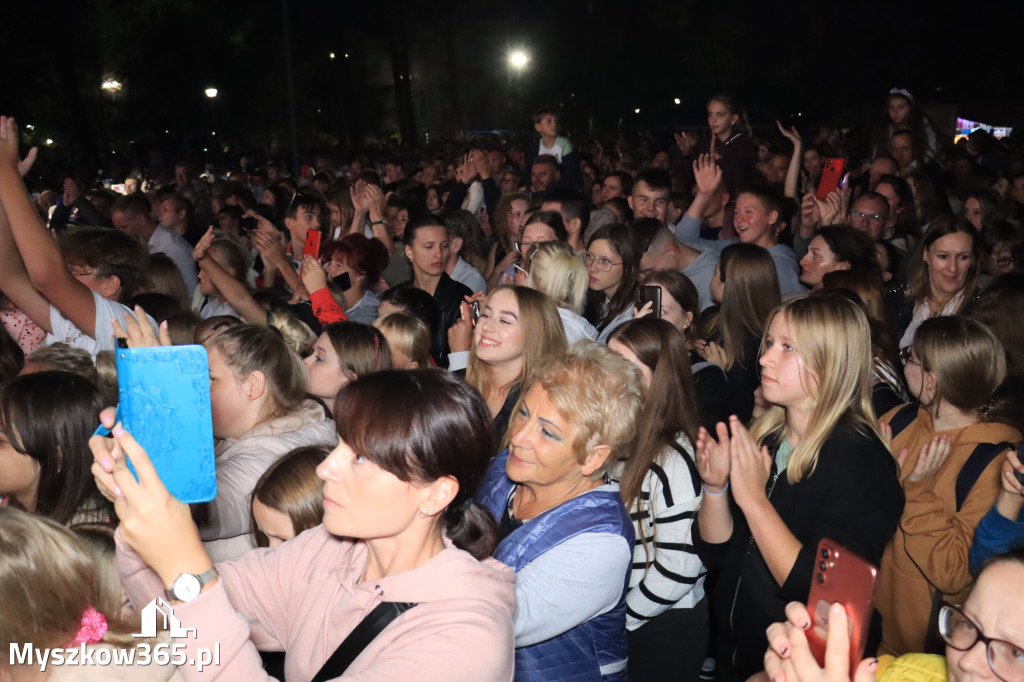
{"x":360,"y":638}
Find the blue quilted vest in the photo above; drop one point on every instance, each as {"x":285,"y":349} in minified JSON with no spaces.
{"x":579,"y":654}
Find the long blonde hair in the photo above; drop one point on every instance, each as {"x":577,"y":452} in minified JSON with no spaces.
{"x":543,"y":334}
{"x":833,"y":341}
{"x":46,"y":583}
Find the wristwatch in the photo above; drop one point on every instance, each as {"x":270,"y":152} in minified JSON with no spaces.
{"x":187,"y":586}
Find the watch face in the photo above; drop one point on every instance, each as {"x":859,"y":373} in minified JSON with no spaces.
{"x":186,"y":587}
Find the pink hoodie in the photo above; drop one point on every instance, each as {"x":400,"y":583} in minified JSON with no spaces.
{"x":306,"y":596}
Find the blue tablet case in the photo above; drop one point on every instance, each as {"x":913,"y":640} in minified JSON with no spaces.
{"x":165,"y":405}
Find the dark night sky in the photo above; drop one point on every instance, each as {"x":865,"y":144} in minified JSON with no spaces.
{"x":598,"y":59}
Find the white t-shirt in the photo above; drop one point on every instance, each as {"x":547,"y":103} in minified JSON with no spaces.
{"x":65,"y":331}
{"x":213,"y":308}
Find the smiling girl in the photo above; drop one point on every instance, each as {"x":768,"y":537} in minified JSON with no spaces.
{"x":517,"y":327}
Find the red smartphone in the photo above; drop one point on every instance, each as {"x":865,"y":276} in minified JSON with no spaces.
{"x":840,"y":576}
{"x":831,"y":177}
{"x":312,"y":247}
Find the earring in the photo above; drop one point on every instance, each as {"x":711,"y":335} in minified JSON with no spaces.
{"x":423,"y":513}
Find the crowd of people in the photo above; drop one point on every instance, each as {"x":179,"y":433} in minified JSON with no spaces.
{"x":530,"y":411}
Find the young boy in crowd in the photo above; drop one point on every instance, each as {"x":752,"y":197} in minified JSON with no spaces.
{"x":550,"y":143}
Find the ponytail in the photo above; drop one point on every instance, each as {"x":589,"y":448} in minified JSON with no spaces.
{"x":1004,"y":406}
{"x":471,"y":528}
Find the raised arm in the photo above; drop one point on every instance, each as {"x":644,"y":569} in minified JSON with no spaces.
{"x":39,"y":252}
{"x":233,"y":291}
{"x":793,"y":174}
{"x":14,"y":281}
{"x":708,"y":175}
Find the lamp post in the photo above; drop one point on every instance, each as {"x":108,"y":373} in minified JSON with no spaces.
{"x":211,"y":95}
{"x":517,"y":63}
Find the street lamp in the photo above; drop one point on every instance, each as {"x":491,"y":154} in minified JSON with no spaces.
{"x":518,"y":60}
{"x":211,"y":92}
{"x":111,"y":86}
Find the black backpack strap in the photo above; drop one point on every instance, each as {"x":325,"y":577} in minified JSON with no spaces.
{"x":359,"y":638}
{"x":979,"y":460}
{"x":903,"y":417}
{"x":933,"y":642}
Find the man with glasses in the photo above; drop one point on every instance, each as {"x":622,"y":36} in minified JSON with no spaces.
{"x":869,"y":214}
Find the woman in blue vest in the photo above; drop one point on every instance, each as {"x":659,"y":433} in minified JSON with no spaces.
{"x":564,"y":530}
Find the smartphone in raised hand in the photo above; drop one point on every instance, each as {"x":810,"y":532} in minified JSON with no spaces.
{"x":831,"y":177}
{"x":652,"y":294}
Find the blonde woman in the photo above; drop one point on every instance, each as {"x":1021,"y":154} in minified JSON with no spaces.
{"x":564,"y":530}
{"x":812,"y":466}
{"x":557,"y":271}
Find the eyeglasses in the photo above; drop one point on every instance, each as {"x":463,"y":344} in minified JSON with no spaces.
{"x":602,"y":264}
{"x":961,"y":633}
{"x":1004,"y":261}
{"x":906,"y":357}
{"x":869,"y":216}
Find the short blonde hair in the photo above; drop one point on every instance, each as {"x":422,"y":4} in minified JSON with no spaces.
{"x":557,"y":271}
{"x":598,"y":391}
{"x":406,"y":334}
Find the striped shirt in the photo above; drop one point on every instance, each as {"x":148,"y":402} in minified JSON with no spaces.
{"x":663,"y":518}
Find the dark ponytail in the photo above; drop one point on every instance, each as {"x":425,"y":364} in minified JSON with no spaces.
{"x":471,"y":528}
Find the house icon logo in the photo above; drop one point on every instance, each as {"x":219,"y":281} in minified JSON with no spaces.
{"x":170,"y":621}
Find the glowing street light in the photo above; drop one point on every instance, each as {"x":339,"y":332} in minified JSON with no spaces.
{"x":518,"y":60}
{"x":211,"y":92}
{"x":111,"y":85}
{"x":677,"y":101}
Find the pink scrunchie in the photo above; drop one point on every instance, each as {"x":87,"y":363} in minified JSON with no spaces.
{"x":94,"y":626}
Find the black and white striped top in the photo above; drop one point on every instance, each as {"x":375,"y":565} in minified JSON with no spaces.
{"x":674,"y":576}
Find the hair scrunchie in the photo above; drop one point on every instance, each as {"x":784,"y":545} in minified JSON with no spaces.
{"x":93,"y":627}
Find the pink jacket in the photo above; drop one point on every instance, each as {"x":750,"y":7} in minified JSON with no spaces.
{"x":306,"y":596}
